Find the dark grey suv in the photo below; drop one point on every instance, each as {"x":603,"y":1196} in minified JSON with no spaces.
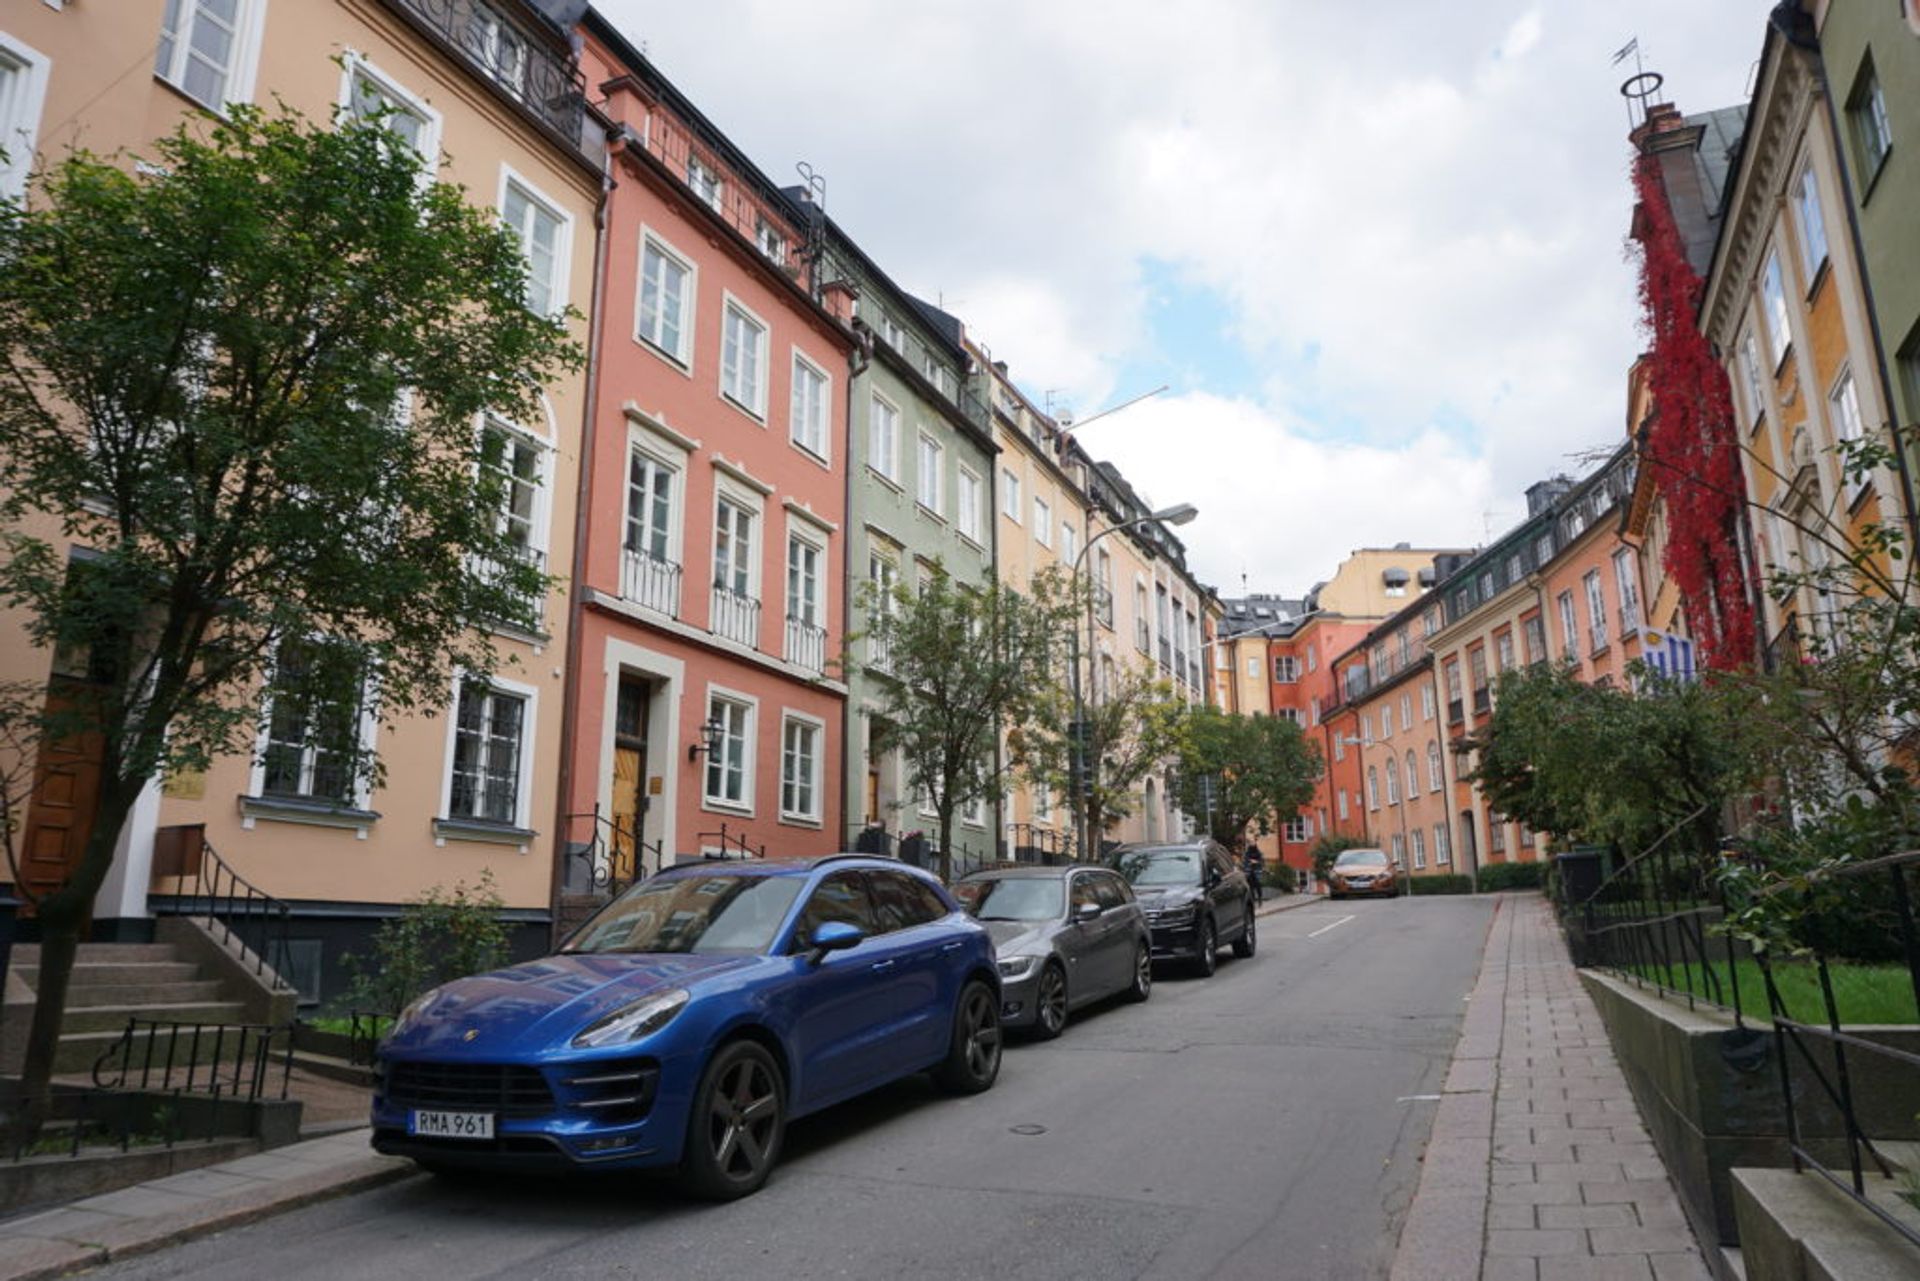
{"x":1063,"y":936}
{"x":1195,"y":897}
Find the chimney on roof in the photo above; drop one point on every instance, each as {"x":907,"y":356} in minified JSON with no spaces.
{"x":1542,"y":494}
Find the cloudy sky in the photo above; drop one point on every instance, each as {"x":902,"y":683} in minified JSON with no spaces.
{"x":1374,"y":249}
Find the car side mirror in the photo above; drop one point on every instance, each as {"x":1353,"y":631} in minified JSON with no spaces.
{"x":834,"y":936}
{"x":1087,"y":912}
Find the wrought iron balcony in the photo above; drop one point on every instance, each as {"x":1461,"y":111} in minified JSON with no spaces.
{"x":735,"y":617}
{"x":880,"y":654}
{"x":507,"y":50}
{"x":650,"y":582}
{"x":806,"y":645}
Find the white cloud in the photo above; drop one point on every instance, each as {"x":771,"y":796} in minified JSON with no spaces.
{"x":1432,"y":198}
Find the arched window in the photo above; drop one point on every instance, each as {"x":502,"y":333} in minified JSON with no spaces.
{"x":1373,"y":788}
{"x":1393,"y":781}
{"x":1413,"y":776}
{"x":1433,"y":767}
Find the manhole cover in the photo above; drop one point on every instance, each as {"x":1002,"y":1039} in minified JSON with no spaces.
{"x":1029,"y":1129}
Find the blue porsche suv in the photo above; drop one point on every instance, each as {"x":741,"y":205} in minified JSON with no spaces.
{"x":689,"y":1020}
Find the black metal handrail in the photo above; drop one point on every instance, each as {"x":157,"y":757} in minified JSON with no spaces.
{"x":612,"y":855}
{"x":1658,"y":918}
{"x":235,"y":1061}
{"x":504,"y":52}
{"x":731,"y":844}
{"x":205,"y":886}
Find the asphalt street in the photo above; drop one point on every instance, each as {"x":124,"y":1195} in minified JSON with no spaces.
{"x":1266,"y":1123}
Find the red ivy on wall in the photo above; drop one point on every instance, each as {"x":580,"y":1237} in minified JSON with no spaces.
{"x":1691,"y":443}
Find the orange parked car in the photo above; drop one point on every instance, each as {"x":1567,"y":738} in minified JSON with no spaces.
{"x":1364,"y":871}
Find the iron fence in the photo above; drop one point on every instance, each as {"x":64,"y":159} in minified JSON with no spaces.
{"x":1659,"y":920}
{"x":511,"y":55}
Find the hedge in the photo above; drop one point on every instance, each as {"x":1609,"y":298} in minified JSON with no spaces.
{"x":1444,"y":883}
{"x":1510,"y":876}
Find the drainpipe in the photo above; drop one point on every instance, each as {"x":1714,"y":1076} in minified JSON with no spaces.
{"x":570,"y":681}
{"x":857,"y":362}
{"x":1795,"y":26}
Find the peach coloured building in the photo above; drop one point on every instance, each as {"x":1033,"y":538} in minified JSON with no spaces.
{"x":496,"y":106}
{"x":1560,"y":587}
{"x":708,"y":709}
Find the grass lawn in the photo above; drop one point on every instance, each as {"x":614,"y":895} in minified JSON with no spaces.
{"x":1864,"y":993}
{"x":342,"y":1025}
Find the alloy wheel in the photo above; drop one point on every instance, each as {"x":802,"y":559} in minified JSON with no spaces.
{"x":1051,"y":1004}
{"x":980,"y":1025}
{"x":744,"y":1110}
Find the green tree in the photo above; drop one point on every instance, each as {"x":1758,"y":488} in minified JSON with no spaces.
{"x":1597,"y":764}
{"x":438,"y":937}
{"x":246,"y":377}
{"x":1134,"y":725}
{"x":1238,"y":772}
{"x":959,"y":664}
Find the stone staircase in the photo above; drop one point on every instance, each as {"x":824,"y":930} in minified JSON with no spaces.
{"x":113,"y":982}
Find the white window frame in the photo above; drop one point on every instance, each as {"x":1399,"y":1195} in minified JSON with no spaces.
{"x":930,"y":474}
{"x":1813,"y":222}
{"x":249,"y":21}
{"x":358,"y":64}
{"x":1627,"y":590}
{"x":540,"y":519}
{"x":529,"y":727}
{"x":1435,"y":772}
{"x":1773,"y":303}
{"x":883,"y":451}
{"x":737,"y":495}
{"x":967,"y":511}
{"x":1419,"y":836}
{"x":557,"y":283}
{"x":810,"y":535}
{"x":1596,"y":610}
{"x":751,"y":706}
{"x":1010,"y":506}
{"x":1569,"y":625}
{"x":803,"y":368}
{"x":367,"y":730}
{"x":1429,"y":705}
{"x":1442,"y":845}
{"x":1340,"y":801}
{"x":680,"y":358}
{"x":1843,"y":403}
{"x":20,"y":112}
{"x":756,"y":407}
{"x":816,"y":785}
{"x":673,"y":459}
{"x":1042,"y":522}
{"x":705,"y":182}
{"x":1750,"y":371}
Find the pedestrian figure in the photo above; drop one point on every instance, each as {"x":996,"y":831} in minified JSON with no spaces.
{"x":1250,"y":860}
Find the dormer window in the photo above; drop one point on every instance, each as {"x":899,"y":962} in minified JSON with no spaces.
{"x":704,"y":180}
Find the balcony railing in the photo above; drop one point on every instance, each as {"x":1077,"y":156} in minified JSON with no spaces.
{"x":650,"y":582}
{"x":735,"y":617}
{"x":511,"y":55}
{"x":880,"y":654}
{"x":519,"y":608}
{"x":806,"y":645}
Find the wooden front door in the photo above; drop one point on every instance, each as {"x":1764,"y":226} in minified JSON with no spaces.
{"x":66,"y":786}
{"x":629,"y":776}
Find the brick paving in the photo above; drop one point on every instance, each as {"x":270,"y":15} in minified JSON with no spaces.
{"x":1539,"y":1168}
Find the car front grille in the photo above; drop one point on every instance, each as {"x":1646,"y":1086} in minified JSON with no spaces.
{"x":505,"y":1089}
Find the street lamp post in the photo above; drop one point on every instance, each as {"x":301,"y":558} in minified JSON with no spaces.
{"x":1079,"y":736}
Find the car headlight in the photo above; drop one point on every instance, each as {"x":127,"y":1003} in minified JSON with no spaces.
{"x":1174,"y":915}
{"x":631,"y":1022}
{"x":1018,"y":967}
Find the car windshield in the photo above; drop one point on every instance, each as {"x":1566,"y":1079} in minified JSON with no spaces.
{"x":1362,"y":858}
{"x":1012,"y":898}
{"x":733,"y":913}
{"x":1159,"y":867}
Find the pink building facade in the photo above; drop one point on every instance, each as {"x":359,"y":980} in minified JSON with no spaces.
{"x":707,"y":710}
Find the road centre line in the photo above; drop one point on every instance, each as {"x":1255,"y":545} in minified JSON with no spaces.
{"x":1324,"y":928}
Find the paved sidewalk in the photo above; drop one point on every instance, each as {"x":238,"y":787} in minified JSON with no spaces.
{"x":161,"y":1212}
{"x":1538,"y":1168}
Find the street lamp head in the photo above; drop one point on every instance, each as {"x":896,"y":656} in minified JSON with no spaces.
{"x":1178,"y":514}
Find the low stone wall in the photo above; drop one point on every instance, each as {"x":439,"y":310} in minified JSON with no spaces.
{"x":1796,"y":1226}
{"x":1709,"y":1093}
